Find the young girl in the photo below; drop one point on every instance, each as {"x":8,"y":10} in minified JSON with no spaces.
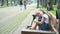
{"x":41,"y":21}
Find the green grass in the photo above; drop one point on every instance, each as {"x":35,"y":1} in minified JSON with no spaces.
{"x":52,"y":11}
{"x":11,"y":24}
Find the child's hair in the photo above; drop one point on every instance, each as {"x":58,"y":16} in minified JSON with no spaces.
{"x":42,"y":11}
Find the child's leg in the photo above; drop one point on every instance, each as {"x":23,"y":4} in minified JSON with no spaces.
{"x":34,"y":26}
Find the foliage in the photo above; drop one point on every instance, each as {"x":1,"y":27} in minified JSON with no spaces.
{"x":52,"y":11}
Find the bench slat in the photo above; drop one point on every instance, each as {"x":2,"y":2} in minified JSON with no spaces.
{"x":26,"y":31}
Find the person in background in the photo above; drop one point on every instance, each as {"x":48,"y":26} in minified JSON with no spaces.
{"x":25,"y":3}
{"x":21,"y":3}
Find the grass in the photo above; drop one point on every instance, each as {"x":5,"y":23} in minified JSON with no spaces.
{"x":11,"y":24}
{"x":52,"y":11}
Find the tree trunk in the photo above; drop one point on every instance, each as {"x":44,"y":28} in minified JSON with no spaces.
{"x":58,"y":13}
{"x":37,"y":3}
{"x":7,"y":2}
{"x":2,"y":2}
{"x":58,"y":7}
{"x":59,"y":25}
{"x":15,"y":2}
{"x":55,"y":2}
{"x":49,"y":7}
{"x":11,"y":2}
{"x":21,"y":3}
{"x":40,"y":2}
{"x":45,"y":3}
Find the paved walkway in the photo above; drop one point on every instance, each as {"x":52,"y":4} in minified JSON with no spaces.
{"x":8,"y":12}
{"x":24,"y":24}
{"x":13,"y":11}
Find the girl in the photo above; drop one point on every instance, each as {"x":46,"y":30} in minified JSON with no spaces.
{"x":41,"y":21}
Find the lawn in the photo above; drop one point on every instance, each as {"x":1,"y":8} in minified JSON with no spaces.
{"x":11,"y":24}
{"x":52,"y":11}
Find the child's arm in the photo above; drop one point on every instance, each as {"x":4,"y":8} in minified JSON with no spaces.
{"x":40,"y":22}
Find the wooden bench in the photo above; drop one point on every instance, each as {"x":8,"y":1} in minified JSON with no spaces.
{"x":27,"y":31}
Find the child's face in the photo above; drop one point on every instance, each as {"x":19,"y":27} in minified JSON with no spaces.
{"x":41,"y":13}
{"x":38,"y":13}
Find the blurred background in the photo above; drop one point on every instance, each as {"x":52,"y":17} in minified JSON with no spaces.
{"x":15,"y":14}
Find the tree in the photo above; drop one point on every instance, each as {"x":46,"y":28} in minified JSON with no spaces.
{"x":43,"y":3}
{"x":40,"y":2}
{"x":58,"y":7}
{"x":58,"y":13}
{"x":11,"y":2}
{"x":18,"y":2}
{"x":49,"y":5}
{"x":2,"y":2}
{"x":37,"y":3}
{"x":55,"y":2}
{"x":7,"y":2}
{"x":21,"y":3}
{"x":15,"y":2}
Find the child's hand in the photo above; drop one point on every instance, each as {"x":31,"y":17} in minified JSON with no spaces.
{"x":36,"y":21}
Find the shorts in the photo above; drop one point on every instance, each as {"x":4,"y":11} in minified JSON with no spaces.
{"x":43,"y":26}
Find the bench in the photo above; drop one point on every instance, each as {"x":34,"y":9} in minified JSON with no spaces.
{"x":27,"y":31}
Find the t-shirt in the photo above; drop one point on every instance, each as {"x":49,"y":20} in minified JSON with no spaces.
{"x":46,"y":18}
{"x":39,"y":18}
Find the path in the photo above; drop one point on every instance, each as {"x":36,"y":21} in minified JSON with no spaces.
{"x":8,"y":12}
{"x":24,"y":24}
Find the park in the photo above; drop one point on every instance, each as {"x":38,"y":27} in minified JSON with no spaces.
{"x":16,"y":16}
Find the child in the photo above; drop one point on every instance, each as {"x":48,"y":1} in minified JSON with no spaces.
{"x":42,"y":21}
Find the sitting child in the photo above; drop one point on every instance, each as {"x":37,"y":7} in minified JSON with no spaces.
{"x":44,"y":26}
{"x":42,"y":21}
